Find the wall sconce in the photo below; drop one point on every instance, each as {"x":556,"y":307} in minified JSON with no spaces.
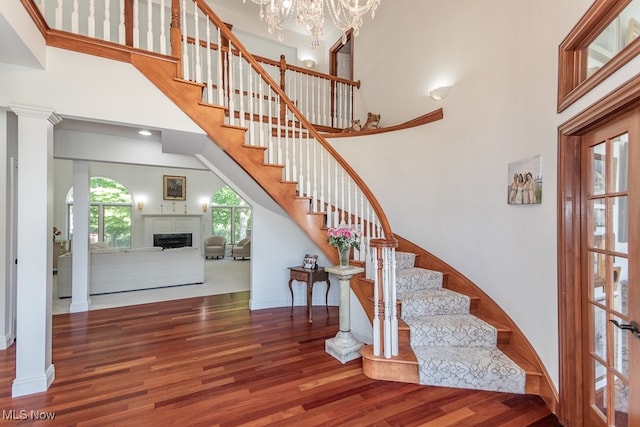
{"x":204,"y":207}
{"x":440,"y":93}
{"x":309,"y":63}
{"x":140,"y":205}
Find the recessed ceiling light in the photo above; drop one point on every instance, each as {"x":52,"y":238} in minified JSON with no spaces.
{"x":144,"y":132}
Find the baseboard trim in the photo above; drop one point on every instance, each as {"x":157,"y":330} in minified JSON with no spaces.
{"x":26,"y":386}
{"x":6,"y":341}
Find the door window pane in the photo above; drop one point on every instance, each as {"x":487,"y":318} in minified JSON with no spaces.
{"x":598,"y":222}
{"x":621,"y":402}
{"x":600,"y":388}
{"x":600,"y":332}
{"x":599,"y":183}
{"x":620,"y":224}
{"x":620,"y":162}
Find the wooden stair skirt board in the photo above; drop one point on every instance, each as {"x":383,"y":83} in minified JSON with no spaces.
{"x":443,"y":344}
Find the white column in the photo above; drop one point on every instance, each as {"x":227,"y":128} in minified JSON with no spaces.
{"x":80,"y":240}
{"x":34,"y":367}
{"x":344,"y":346}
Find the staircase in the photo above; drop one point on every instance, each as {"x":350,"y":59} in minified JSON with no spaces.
{"x":453,"y":348}
{"x":445,"y":332}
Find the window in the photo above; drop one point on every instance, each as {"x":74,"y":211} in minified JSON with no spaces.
{"x":110,"y":208}
{"x":230,"y":215}
{"x":602,"y":42}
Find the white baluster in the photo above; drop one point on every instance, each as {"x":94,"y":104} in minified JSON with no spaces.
{"x":362,"y":227}
{"x":121,"y":27}
{"x":219,"y":77}
{"x":387,"y":308}
{"x":91,"y":19}
{"x":308,"y":167}
{"x":269,"y":130}
{"x":136,"y":23}
{"x":163,"y":30}
{"x":336,"y":213}
{"x":241,"y":98}
{"x":301,"y":164}
{"x":150,"y":25}
{"x":251,"y":105}
{"x":59,"y":10}
{"x":342,"y":203}
{"x":294,"y":168}
{"x":287,"y":163}
{"x":376,"y":302}
{"x":329,"y":209}
{"x":394,"y":312}
{"x":209,"y":68}
{"x":322,"y":207}
{"x":106,"y":24}
{"x":232,"y":90}
{"x":196,"y":42}
{"x":185,"y":46}
{"x":349,"y":218}
{"x":279,"y":131}
{"x":314,"y":194}
{"x":74,"y":17}
{"x":261,"y":108}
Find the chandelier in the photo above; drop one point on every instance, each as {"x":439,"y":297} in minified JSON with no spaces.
{"x":345,"y":14}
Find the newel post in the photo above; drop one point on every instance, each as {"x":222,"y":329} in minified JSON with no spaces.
{"x":385,"y":321}
{"x":128,"y":22}
{"x":175,"y":34}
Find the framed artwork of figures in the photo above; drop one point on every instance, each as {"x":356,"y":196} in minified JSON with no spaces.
{"x":174,"y":187}
{"x":525,"y":182}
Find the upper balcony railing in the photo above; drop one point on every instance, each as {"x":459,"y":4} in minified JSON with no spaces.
{"x":327,"y":101}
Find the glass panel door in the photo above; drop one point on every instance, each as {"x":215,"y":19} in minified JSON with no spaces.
{"x":611,"y":271}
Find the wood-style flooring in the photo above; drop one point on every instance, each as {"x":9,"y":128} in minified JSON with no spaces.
{"x":209,"y":361}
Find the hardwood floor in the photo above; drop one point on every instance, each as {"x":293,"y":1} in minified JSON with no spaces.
{"x":209,"y":361}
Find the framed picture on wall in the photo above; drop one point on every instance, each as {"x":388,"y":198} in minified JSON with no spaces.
{"x":524,"y":185}
{"x":174,"y":187}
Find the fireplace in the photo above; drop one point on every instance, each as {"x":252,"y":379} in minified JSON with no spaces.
{"x":172,"y":240}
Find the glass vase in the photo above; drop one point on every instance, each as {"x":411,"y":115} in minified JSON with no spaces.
{"x":343,"y":254}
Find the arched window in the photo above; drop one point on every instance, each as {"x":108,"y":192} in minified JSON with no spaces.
{"x":110,"y":208}
{"x":230,"y":215}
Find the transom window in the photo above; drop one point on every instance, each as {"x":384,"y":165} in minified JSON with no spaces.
{"x":602,"y":42}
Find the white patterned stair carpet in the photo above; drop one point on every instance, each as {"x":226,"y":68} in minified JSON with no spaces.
{"x":453,"y":348}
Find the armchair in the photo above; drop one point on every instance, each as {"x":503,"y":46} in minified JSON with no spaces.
{"x":214,"y":246}
{"x":242,"y":249}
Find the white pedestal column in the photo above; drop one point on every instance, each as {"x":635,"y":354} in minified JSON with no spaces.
{"x":34,"y":367}
{"x":344,"y":346}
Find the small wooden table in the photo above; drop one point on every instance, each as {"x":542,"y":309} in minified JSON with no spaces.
{"x":310,"y":277}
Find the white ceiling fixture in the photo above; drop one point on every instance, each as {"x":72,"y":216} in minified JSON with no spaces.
{"x":345,"y":14}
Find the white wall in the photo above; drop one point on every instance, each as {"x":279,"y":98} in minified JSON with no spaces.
{"x":501,"y":58}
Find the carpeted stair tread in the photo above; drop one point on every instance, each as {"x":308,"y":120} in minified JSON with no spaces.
{"x":477,"y":368}
{"x":417,"y":279}
{"x":434,"y":301}
{"x":456,"y":330}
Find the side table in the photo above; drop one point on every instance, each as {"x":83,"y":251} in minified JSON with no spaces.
{"x":310,"y":277}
